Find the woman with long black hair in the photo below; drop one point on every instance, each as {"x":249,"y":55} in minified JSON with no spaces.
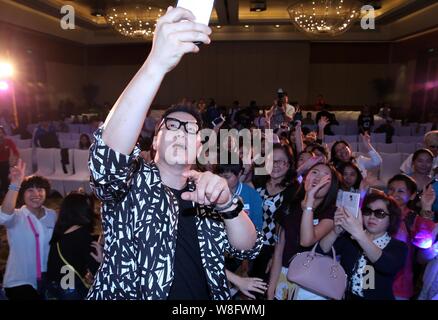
{"x":309,"y":218}
{"x":73,"y":250}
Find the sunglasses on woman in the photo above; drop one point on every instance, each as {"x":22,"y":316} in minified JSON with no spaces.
{"x":378,"y":213}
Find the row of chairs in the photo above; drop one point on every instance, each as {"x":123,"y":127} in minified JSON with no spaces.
{"x":48,"y":163}
{"x":375,"y":138}
{"x":72,"y":128}
{"x":391,"y":162}
{"x":384,"y":147}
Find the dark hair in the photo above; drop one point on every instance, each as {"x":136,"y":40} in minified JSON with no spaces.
{"x":34,"y":182}
{"x":76,"y":209}
{"x":334,"y":160}
{"x":420,"y":151}
{"x":291,"y":174}
{"x":234,"y":168}
{"x":409,"y":181}
{"x":305,"y":131}
{"x":350,"y":164}
{"x":393,"y":210}
{"x":85,"y":145}
{"x":303,"y":152}
{"x":320,"y":148}
{"x":181,"y":108}
{"x":332,"y":193}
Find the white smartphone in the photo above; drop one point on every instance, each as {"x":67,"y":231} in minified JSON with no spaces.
{"x":351,"y":201}
{"x":200,"y":8}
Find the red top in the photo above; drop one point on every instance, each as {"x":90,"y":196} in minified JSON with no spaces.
{"x":5,"y":150}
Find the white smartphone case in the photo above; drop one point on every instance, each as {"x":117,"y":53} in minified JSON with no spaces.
{"x":200,"y":8}
{"x":351,"y":201}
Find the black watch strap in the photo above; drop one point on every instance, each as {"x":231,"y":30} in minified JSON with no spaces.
{"x":233,"y":213}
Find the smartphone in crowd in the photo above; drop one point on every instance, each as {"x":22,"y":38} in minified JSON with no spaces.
{"x":351,"y":202}
{"x":201,"y":9}
{"x":218,"y":120}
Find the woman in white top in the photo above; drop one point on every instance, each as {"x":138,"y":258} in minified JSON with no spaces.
{"x":29,"y":230}
{"x":341,"y":153}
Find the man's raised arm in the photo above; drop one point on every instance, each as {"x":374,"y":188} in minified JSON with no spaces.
{"x":174,"y":37}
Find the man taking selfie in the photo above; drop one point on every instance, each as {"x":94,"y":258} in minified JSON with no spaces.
{"x":166,"y":227}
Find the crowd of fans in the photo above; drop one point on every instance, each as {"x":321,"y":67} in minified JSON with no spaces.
{"x":295,"y":207}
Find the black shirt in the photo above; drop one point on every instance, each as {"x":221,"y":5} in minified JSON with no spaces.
{"x":75,"y":248}
{"x":189,"y":282}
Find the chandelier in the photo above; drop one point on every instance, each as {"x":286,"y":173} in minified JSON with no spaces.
{"x":324,"y":17}
{"x":133,"y":18}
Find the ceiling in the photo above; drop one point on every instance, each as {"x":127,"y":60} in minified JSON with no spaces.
{"x":231,"y":20}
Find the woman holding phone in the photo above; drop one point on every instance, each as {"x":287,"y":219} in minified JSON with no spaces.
{"x":370,"y":255}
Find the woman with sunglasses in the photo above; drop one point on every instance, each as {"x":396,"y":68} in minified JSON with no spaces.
{"x":370,"y":255}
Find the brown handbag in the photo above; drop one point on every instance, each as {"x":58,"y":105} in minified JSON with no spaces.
{"x":318,"y":273}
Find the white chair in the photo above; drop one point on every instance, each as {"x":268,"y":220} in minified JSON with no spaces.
{"x":75,"y":136}
{"x":331,"y":139}
{"x":74,"y":128}
{"x":390,"y":166}
{"x":63,"y":135}
{"x":69,"y":144}
{"x":339,"y":130}
{"x":419,"y":145}
{"x":386,"y":148}
{"x":45,"y":161}
{"x":350,"y":138}
{"x":23,"y":144}
{"x":58,"y":177}
{"x":26,"y":156}
{"x":378,"y":137}
{"x":84,"y":128}
{"x":403,"y":131}
{"x":405,"y":147}
{"x":404,"y":156}
{"x":81,"y":176}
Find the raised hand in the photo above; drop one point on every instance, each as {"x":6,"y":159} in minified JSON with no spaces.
{"x":339,"y":215}
{"x":16,"y":173}
{"x":210,"y":189}
{"x":351,"y":224}
{"x":174,"y":36}
{"x":428,"y":198}
{"x":312,"y":190}
{"x":366,"y":139}
{"x":323,"y":122}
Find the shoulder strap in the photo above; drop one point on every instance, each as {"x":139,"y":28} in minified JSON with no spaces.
{"x":68,"y":264}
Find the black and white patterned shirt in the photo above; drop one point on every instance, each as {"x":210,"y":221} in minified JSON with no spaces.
{"x":140,"y":218}
{"x":270,"y":206}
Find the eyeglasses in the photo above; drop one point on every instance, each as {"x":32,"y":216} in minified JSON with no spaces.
{"x":173,"y":124}
{"x":378,"y":213}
